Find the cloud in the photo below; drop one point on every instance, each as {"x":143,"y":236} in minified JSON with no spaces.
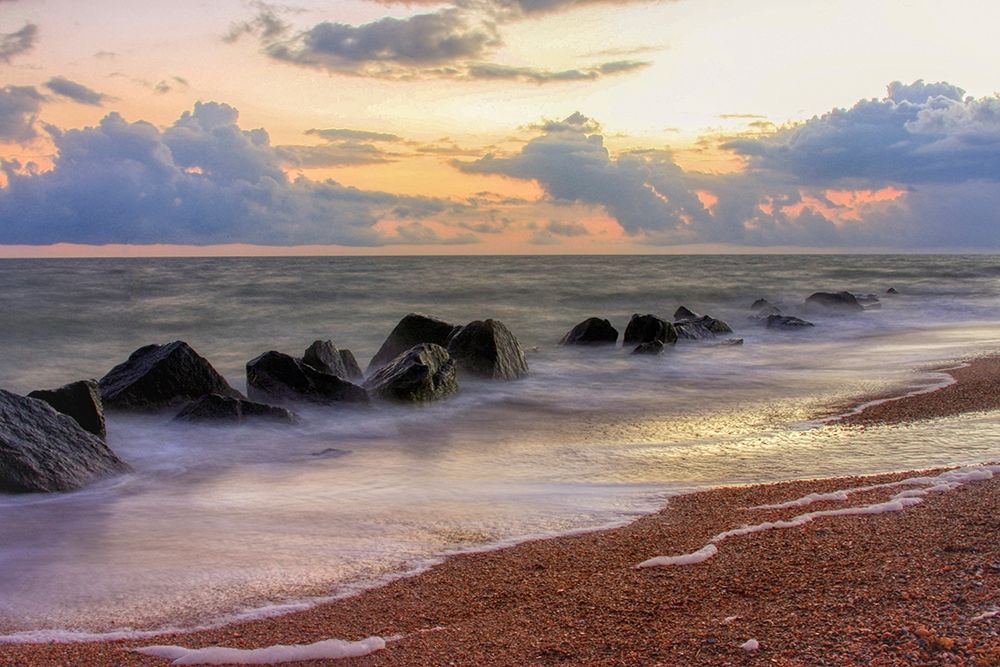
{"x":76,"y":91}
{"x":19,"y":107}
{"x":267,"y":24}
{"x":165,"y":86}
{"x":202,"y":180}
{"x":492,"y":71}
{"x":520,"y":8}
{"x":343,"y":147}
{"x":15,"y":43}
{"x":417,"y":233}
{"x":560,"y":228}
{"x":333,"y":134}
{"x":389,"y":46}
{"x":919,"y":168}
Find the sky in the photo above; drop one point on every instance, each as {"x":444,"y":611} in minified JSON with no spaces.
{"x":240,"y":127}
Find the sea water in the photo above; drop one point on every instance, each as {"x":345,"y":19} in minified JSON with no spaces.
{"x":221,"y":521}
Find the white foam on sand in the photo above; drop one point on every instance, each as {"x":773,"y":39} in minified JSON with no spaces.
{"x":946,"y":481}
{"x":329,"y":649}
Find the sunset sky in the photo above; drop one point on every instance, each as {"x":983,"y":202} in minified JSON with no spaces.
{"x":498,"y":126}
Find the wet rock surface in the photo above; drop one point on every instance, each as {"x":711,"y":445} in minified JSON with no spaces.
{"x":487,"y":348}
{"x":80,"y":400}
{"x":425,"y":372}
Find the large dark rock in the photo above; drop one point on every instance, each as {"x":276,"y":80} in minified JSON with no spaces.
{"x":840,"y":302}
{"x":80,"y":400}
{"x":786,"y":322}
{"x":488,"y":349}
{"x":592,"y":331}
{"x":157,"y":376}
{"x":649,"y":347}
{"x":275,"y":376}
{"x":684,"y":313}
{"x":217,"y":408}
{"x":44,"y":450}
{"x":649,"y":328}
{"x":892,"y":290}
{"x":324,"y":356}
{"x":425,"y":372}
{"x":412,"y":330}
{"x":701,"y":327}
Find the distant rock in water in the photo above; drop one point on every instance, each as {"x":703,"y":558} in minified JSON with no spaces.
{"x":488,"y":349}
{"x":425,"y":372}
{"x":730,"y":342}
{"x":647,"y":329}
{"x":592,"y":331}
{"x":324,"y":356}
{"x":892,"y":290}
{"x":413,"y":329}
{"x":80,"y":400}
{"x":843,"y":302}
{"x":761,"y":304}
{"x":44,"y":450}
{"x":275,"y":376}
{"x":650,"y":347}
{"x":763,"y":309}
{"x":157,"y":376}
{"x":217,"y":408}
{"x":868,"y":301}
{"x":786,"y":322}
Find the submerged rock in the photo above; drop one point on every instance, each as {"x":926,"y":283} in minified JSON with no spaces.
{"x":488,"y":349}
{"x":44,"y":450}
{"x":649,"y":328}
{"x":218,"y":408}
{"x":80,"y":400}
{"x":279,"y":377}
{"x":891,"y":290}
{"x":763,"y":309}
{"x":425,"y":372}
{"x":731,"y":342}
{"x":592,"y":331}
{"x":413,"y":329}
{"x":157,"y":376}
{"x":650,"y":347}
{"x":324,"y":356}
{"x":701,"y":327}
{"x":786,"y":322}
{"x":843,"y":302}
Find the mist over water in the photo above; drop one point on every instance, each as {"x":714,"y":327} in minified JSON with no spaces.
{"x":219,"y":519}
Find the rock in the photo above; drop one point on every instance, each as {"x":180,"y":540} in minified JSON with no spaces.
{"x":649,"y":328}
{"x":324,"y":356}
{"x":44,"y":450}
{"x":701,"y":327}
{"x":214,"y":407}
{"x":80,"y":400}
{"x":425,"y":372}
{"x":843,"y":302}
{"x":488,"y":349}
{"x":649,"y":347}
{"x":683,"y":313}
{"x":157,"y":376}
{"x":274,"y":376}
{"x":592,"y":331}
{"x":891,"y":290}
{"x":731,"y":341}
{"x":411,"y":330}
{"x":786,"y":322}
{"x":761,"y":304}
{"x":763,"y":309}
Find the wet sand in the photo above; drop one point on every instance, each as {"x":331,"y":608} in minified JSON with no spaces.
{"x":913,"y":587}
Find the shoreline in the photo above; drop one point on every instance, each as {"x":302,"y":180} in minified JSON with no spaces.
{"x":848,"y":589}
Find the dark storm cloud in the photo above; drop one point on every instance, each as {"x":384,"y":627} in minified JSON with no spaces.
{"x":202,"y":180}
{"x":19,"y":107}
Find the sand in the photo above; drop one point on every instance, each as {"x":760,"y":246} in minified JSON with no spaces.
{"x":914,"y":587}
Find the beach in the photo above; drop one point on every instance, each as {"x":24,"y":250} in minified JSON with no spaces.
{"x":917,"y":586}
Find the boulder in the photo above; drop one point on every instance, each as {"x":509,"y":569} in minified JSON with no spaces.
{"x":324,"y":356}
{"x":761,"y":304}
{"x":786,"y":322}
{"x":488,"y":349}
{"x":425,"y":372}
{"x":157,"y":376}
{"x":218,"y":408}
{"x":80,"y":400}
{"x":892,"y":290}
{"x":274,"y":376}
{"x":649,"y":328}
{"x":592,"y":331}
{"x":412,"y":330}
{"x":763,"y":309}
{"x":683,"y":313}
{"x":650,"y":347}
{"x":701,"y":327}
{"x":44,"y":450}
{"x":842,"y":302}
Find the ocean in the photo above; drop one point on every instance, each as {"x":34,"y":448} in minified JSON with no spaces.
{"x":217,"y":523}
